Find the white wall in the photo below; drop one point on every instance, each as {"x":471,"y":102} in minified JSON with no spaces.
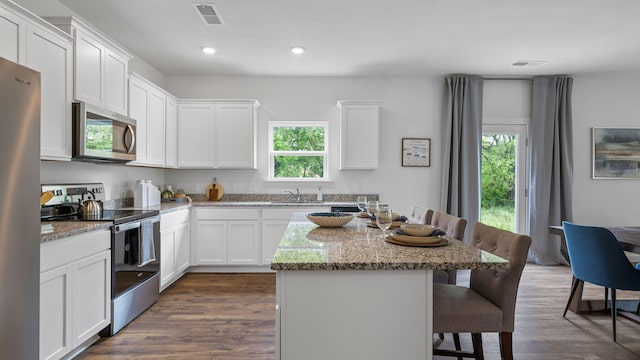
{"x":603,"y":100}
{"x":118,"y":179}
{"x":411,"y":107}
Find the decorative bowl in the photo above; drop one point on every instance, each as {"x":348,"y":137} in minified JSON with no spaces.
{"x":417,"y":229}
{"x":330,"y":219}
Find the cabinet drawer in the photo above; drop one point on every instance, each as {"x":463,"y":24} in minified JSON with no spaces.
{"x":174,"y":218}
{"x":63,"y":251}
{"x":227,"y":214}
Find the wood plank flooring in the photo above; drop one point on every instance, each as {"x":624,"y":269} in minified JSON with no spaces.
{"x":231,"y":317}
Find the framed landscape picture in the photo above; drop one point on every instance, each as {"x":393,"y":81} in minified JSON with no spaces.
{"x":416,"y":152}
{"x":616,"y":153}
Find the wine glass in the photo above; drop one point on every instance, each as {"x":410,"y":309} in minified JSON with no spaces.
{"x":372,"y":207}
{"x":362,"y":203}
{"x":384,"y":218}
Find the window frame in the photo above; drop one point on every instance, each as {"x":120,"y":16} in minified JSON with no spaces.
{"x":324,"y":154}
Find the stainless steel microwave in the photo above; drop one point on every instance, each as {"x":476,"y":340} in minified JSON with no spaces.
{"x":102,"y":136}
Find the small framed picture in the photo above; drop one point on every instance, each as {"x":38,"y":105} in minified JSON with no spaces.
{"x":616,"y":153}
{"x":416,"y":152}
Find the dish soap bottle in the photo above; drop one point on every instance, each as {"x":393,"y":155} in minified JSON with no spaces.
{"x":319,"y":195}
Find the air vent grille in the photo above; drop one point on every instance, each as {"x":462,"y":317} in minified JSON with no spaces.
{"x":209,"y":14}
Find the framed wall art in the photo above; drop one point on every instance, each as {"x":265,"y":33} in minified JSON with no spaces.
{"x":416,"y":152}
{"x":616,"y":153}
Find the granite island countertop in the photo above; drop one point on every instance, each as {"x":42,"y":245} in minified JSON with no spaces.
{"x":356,"y":246}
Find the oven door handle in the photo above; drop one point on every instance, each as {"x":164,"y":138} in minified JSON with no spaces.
{"x":127,"y":226}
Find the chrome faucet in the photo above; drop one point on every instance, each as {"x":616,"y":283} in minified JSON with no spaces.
{"x":296,"y":194}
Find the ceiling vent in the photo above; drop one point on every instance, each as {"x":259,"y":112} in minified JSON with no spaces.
{"x":523,"y":63}
{"x":209,"y":14}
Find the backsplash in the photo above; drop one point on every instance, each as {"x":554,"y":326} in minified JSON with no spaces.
{"x":128,"y":202}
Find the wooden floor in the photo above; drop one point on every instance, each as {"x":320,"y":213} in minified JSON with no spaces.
{"x":231,"y":316}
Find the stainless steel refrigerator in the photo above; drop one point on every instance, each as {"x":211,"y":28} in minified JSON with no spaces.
{"x":19,"y":211}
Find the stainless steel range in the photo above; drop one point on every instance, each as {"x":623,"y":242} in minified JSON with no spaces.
{"x":135,"y":247}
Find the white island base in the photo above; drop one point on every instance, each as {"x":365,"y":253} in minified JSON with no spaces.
{"x":354,"y":314}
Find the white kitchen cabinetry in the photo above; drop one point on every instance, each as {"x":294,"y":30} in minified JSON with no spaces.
{"x":274,"y":223}
{"x":226,"y":237}
{"x":174,"y":246}
{"x":217,"y":134}
{"x":12,"y":34}
{"x":101,"y":66}
{"x":32,"y":42}
{"x":171,"y":133}
{"x":147,"y":106}
{"x":75,"y":291}
{"x":359,"y":134}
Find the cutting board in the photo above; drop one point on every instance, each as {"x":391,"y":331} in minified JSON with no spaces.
{"x":217,"y":187}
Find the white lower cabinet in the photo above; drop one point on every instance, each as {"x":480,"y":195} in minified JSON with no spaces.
{"x":226,"y":237}
{"x":75,"y":291}
{"x":174,"y":246}
{"x":274,"y":224}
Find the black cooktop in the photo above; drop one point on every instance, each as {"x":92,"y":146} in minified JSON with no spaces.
{"x":118,"y":216}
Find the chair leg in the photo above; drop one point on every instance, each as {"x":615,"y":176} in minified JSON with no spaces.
{"x":614,"y":311}
{"x":456,"y":343}
{"x":573,"y":292}
{"x":506,"y":345}
{"x":606,"y":298}
{"x":476,"y":339}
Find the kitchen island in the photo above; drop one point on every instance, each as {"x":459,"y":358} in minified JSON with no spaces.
{"x":345,"y":293}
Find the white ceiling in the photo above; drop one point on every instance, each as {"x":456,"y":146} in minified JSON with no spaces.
{"x":373,"y":37}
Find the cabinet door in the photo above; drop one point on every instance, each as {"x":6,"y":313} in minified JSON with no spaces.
{"x":92,"y":296}
{"x":51,"y":56}
{"x":167,"y":258}
{"x":211,"y":242}
{"x":182,"y":248}
{"x":272,"y":231}
{"x":359,"y":136}
{"x":195,"y":134}
{"x":139,"y":95}
{"x":12,"y":36}
{"x":171,"y":133}
{"x":155,"y":128}
{"x":235,"y":136}
{"x":116,"y":72}
{"x":55,"y":316}
{"x":89,"y":65}
{"x":243,"y":243}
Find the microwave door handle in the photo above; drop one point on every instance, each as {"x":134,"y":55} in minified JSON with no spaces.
{"x":133,"y":139}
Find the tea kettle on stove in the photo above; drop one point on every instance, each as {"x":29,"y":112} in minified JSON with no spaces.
{"x":90,"y":208}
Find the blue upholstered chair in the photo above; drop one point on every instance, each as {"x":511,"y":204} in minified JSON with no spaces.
{"x":597,"y":257}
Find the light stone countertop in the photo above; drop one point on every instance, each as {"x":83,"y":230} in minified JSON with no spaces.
{"x":356,"y":246}
{"x":63,"y":229}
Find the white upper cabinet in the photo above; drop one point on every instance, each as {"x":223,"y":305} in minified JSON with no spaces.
{"x":101,"y":66}
{"x":148,"y":107}
{"x":218,"y":134}
{"x":171,"y":133}
{"x":195,"y":135}
{"x":33,"y":42}
{"x":359,"y":134}
{"x":12,"y":35}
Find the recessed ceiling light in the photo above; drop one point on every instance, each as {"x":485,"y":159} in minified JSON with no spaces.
{"x":297,"y":50}
{"x":523,"y":63}
{"x":208,"y":50}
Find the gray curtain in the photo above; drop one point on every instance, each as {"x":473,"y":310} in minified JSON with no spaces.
{"x":551,"y":173}
{"x":462,"y":135}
